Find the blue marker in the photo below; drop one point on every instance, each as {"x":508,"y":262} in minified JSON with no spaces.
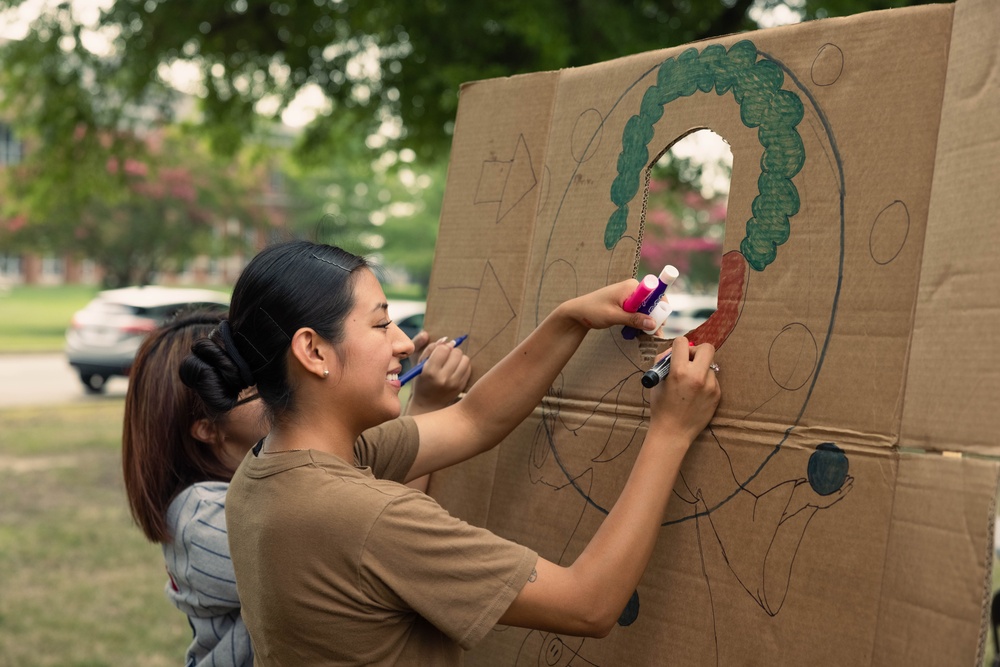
{"x":416,"y":370}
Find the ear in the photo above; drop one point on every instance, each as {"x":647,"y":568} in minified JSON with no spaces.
{"x":205,"y":431}
{"x":312,"y":352}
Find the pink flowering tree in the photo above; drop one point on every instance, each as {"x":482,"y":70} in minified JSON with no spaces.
{"x":683,"y":226}
{"x":149,"y":209}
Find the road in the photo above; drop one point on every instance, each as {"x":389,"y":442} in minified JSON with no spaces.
{"x":46,"y":379}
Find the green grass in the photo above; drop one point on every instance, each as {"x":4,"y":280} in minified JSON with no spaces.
{"x":80,"y":584}
{"x":34,"y":318}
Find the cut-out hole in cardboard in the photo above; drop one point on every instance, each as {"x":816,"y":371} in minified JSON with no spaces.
{"x":684,"y":224}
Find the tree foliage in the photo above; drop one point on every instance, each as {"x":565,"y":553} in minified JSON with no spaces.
{"x":388,"y":70}
{"x":378,"y":61}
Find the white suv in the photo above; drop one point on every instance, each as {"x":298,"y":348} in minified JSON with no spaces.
{"x":103,"y":338}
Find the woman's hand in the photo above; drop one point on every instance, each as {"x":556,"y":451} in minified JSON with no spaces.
{"x":686,"y":401}
{"x":446,"y":373}
{"x":602,"y":308}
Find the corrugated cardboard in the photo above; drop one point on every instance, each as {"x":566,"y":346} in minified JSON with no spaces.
{"x":819,"y":520}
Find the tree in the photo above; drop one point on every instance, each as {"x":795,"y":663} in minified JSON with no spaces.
{"x":388,"y":211}
{"x":153,"y":213}
{"x":382,"y":64}
{"x":389,"y":71}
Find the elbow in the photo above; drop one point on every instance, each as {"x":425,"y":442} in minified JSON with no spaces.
{"x":599,"y":623}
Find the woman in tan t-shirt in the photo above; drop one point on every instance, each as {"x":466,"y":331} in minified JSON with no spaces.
{"x":336,"y":561}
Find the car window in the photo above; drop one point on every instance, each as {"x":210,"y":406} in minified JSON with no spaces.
{"x":411,"y":325}
{"x":109,"y":308}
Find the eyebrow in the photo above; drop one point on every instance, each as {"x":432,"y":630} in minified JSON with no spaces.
{"x":381,"y":306}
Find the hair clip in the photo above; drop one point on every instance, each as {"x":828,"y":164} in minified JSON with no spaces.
{"x":331,"y":262}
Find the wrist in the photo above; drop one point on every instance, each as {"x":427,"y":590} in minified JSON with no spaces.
{"x":669,"y":436}
{"x":567,"y":316}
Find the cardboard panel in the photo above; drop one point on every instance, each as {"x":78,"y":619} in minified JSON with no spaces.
{"x":795,"y":522}
{"x":951,"y":395}
{"x":939,"y":575}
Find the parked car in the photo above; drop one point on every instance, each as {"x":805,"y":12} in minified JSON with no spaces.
{"x":689,"y":311}
{"x":408,"y":315}
{"x":104,"y":336}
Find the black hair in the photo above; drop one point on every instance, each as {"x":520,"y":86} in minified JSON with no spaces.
{"x":287,"y":286}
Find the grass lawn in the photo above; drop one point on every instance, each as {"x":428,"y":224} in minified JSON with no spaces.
{"x":34,"y":319}
{"x":81,"y":586}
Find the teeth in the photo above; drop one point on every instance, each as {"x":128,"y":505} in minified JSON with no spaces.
{"x":392,"y":377}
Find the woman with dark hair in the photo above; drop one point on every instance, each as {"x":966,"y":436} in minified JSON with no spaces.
{"x":337,"y":562}
{"x":178,"y":456}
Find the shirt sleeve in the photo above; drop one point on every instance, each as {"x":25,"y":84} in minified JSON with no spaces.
{"x":201,"y":551}
{"x":459,"y":577}
{"x":389,"y":449}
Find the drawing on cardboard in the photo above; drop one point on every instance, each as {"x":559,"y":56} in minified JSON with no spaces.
{"x":507,"y":182}
{"x":752,"y":534}
{"x":815,"y":521}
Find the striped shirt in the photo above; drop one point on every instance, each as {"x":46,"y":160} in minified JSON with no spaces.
{"x":202,"y":583}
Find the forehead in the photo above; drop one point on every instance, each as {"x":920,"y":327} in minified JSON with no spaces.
{"x":368,"y":294}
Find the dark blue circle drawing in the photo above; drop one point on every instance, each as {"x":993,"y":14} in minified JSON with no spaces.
{"x":827,"y":469}
{"x":631,"y":611}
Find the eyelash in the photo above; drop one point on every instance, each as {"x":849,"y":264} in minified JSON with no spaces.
{"x":383,"y":326}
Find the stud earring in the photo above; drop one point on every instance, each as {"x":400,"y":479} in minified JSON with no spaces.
{"x":326,"y":372}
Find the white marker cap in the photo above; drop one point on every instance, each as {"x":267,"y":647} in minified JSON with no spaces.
{"x":669,"y":274}
{"x":659,"y":314}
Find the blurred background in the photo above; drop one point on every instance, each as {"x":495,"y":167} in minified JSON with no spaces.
{"x":145,"y":142}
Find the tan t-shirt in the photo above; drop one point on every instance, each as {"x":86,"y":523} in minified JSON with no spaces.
{"x":337,"y":565}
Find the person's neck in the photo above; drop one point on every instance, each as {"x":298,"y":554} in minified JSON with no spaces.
{"x":329,"y":438}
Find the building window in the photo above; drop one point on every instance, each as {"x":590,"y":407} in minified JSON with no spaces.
{"x":10,"y":147}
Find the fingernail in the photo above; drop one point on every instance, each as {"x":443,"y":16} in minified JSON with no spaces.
{"x":648,"y":323}
{"x":441,"y":340}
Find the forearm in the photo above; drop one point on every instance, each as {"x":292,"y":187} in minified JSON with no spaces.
{"x":610,"y":567}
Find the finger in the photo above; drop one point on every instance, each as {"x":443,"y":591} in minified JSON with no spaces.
{"x":452,"y":362}
{"x":420,"y":340}
{"x":429,"y":350}
{"x":639,"y":321}
{"x":680,"y":350}
{"x":703,"y":356}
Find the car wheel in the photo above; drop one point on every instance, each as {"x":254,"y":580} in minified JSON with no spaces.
{"x":94,"y":383}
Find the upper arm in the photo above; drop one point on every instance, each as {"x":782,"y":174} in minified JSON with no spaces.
{"x":209,"y":568}
{"x":447,"y":437}
{"x":553,"y":600}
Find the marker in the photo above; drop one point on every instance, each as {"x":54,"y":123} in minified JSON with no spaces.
{"x":416,"y":370}
{"x":667,"y":276}
{"x":660,"y":369}
{"x":644,"y":289}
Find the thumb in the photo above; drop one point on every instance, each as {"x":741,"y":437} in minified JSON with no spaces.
{"x":641,"y":321}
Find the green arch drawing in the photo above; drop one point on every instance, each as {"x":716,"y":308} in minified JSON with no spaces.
{"x":756,"y":86}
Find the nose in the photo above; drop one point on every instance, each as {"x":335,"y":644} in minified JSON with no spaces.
{"x":402,"y":346}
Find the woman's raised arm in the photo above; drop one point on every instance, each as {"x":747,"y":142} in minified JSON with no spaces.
{"x":507,"y":394}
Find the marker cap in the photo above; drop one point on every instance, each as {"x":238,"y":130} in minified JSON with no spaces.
{"x":669,"y":274}
{"x":659,"y":314}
